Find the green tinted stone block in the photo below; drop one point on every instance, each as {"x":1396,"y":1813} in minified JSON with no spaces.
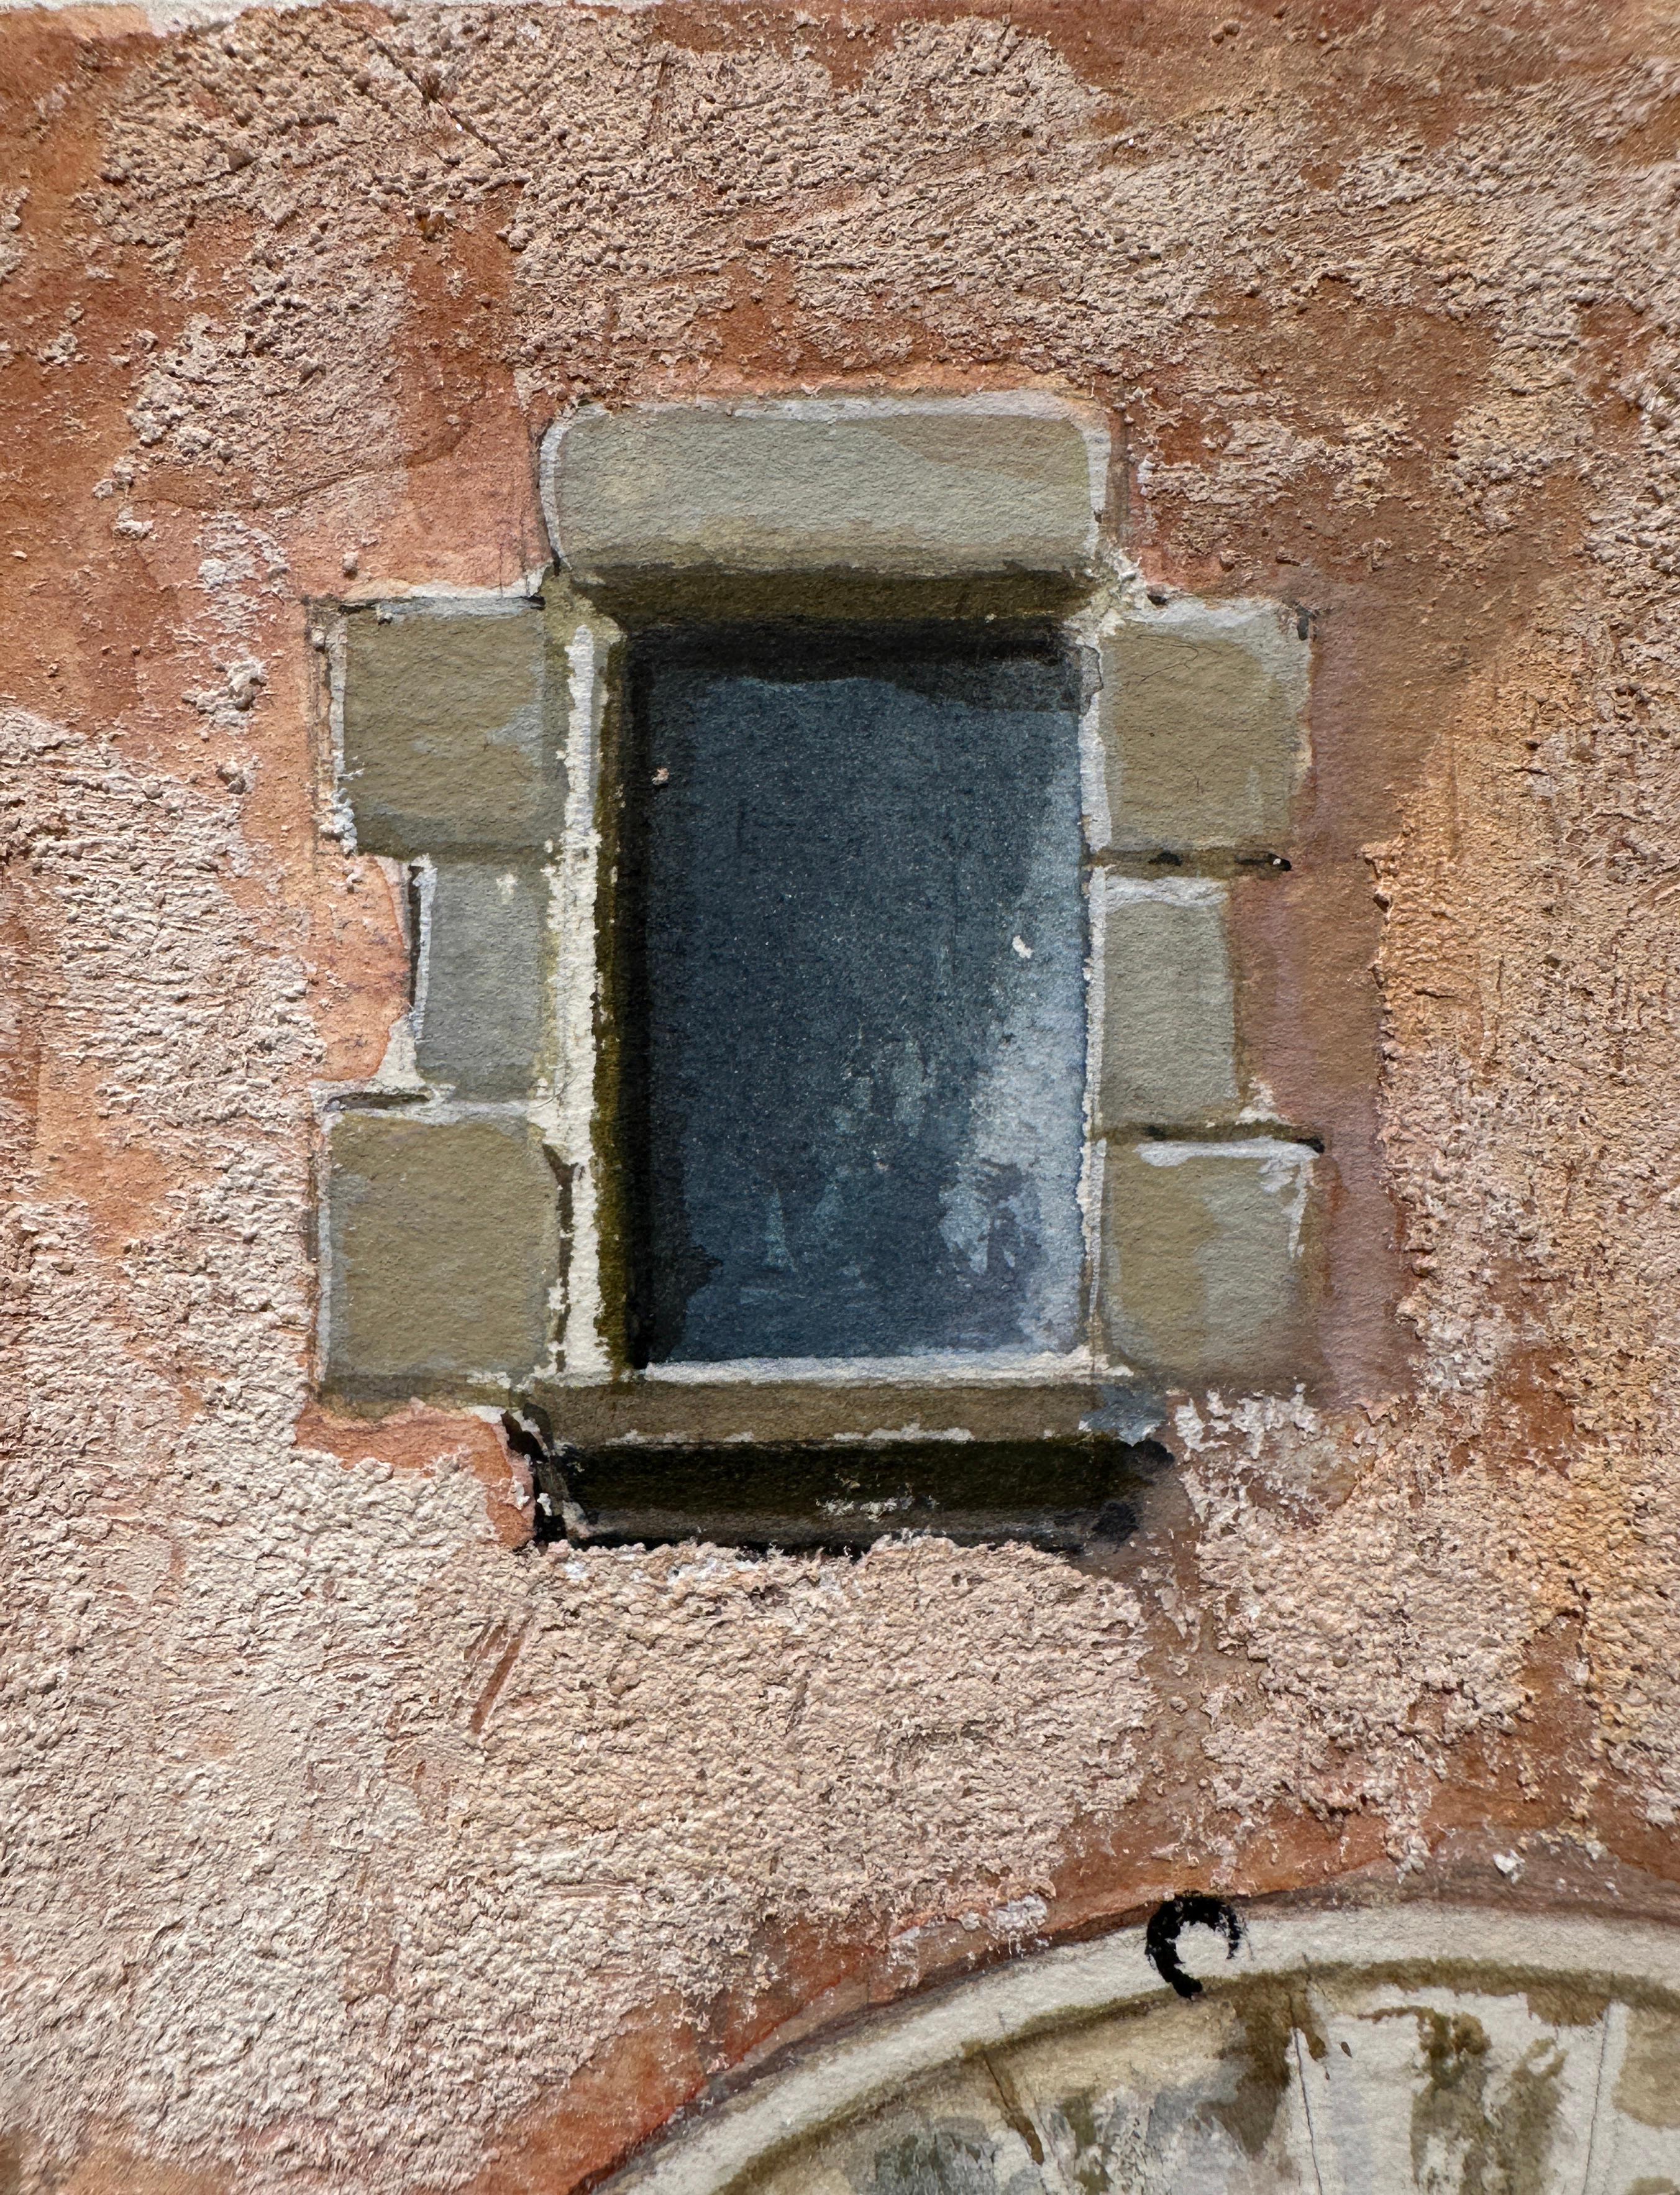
{"x":482,"y":1012}
{"x":1207,"y":1250}
{"x":1202,"y":717}
{"x":454,"y":727}
{"x":444,"y":1246}
{"x":1168,"y":1038}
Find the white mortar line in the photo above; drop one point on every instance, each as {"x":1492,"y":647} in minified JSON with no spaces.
{"x":1172,"y":891}
{"x":569,"y":1120}
{"x":993,"y":1368}
{"x":335,"y":631}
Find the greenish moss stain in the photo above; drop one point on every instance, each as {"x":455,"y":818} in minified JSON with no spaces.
{"x":1262,"y":2057}
{"x":1525,"y":2126}
{"x":1307,"y":2027}
{"x":937,"y":2160}
{"x":611,"y":1010}
{"x":1014,"y":2106}
{"x":1567,"y":2004}
{"x":1090,"y":2170}
{"x":1647,"y":2087}
{"x":1502,"y":2147}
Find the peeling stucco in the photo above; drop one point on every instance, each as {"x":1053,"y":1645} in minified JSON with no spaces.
{"x":352,"y":1843}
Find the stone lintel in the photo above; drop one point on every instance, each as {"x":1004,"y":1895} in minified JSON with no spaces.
{"x":913,"y":485}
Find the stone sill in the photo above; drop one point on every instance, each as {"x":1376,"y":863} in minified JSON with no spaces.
{"x":720,"y":1405}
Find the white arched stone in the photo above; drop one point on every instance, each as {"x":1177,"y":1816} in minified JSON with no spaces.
{"x":1347,"y":2052}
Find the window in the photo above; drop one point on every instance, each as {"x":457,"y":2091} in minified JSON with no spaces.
{"x":823,"y":1103}
{"x":854,"y":937}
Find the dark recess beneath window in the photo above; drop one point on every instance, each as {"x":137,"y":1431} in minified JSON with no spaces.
{"x":850,"y":936}
{"x":1065,"y":1497}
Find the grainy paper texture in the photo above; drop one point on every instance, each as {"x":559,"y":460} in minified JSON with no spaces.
{"x":354,"y":1844}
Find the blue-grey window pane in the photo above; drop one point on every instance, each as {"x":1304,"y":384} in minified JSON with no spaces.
{"x":856,"y":1028}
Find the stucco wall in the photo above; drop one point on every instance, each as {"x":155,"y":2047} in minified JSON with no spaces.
{"x":352,"y":1843}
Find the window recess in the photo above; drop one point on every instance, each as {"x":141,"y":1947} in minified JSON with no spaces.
{"x":826,"y":1060}
{"x":852,"y":996}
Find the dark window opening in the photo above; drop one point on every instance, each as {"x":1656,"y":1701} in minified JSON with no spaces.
{"x":850,"y":937}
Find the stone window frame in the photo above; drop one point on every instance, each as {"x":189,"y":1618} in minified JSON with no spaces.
{"x":495,"y":770}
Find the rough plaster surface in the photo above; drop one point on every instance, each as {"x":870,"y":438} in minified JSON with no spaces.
{"x":351,"y":1843}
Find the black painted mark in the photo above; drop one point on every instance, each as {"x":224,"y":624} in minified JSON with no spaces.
{"x":1191,"y":1909}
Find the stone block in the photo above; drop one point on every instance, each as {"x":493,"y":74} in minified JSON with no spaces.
{"x":482,"y":1009}
{"x":1202,"y":717}
{"x":444,"y":1245}
{"x":1169,"y":1036}
{"x":925,"y":486}
{"x":453,"y":727}
{"x":1204,"y":1260}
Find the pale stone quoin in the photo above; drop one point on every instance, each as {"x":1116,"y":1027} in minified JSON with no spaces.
{"x":1207,"y":1260}
{"x":485,"y":1005}
{"x":1236,"y":673}
{"x":443,"y":1247}
{"x":449,"y":737}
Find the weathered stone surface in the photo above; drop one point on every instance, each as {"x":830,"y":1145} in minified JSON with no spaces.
{"x":1291,"y":2072}
{"x":452,"y":728}
{"x":1205,"y":1252}
{"x":1637,"y":2143}
{"x":1443,"y":2084}
{"x":1169,"y":1036}
{"x":1202,"y":717}
{"x":926,"y":486}
{"x":444,"y":1245}
{"x":1130,"y":2107}
{"x":482,"y":1012}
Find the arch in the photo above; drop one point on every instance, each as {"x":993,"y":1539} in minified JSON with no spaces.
{"x":1343,"y":2053}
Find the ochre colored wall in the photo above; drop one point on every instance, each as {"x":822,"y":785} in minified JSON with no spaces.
{"x":353,"y":1842}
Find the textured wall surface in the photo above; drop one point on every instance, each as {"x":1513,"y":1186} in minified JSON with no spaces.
{"x":351,"y":1843}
